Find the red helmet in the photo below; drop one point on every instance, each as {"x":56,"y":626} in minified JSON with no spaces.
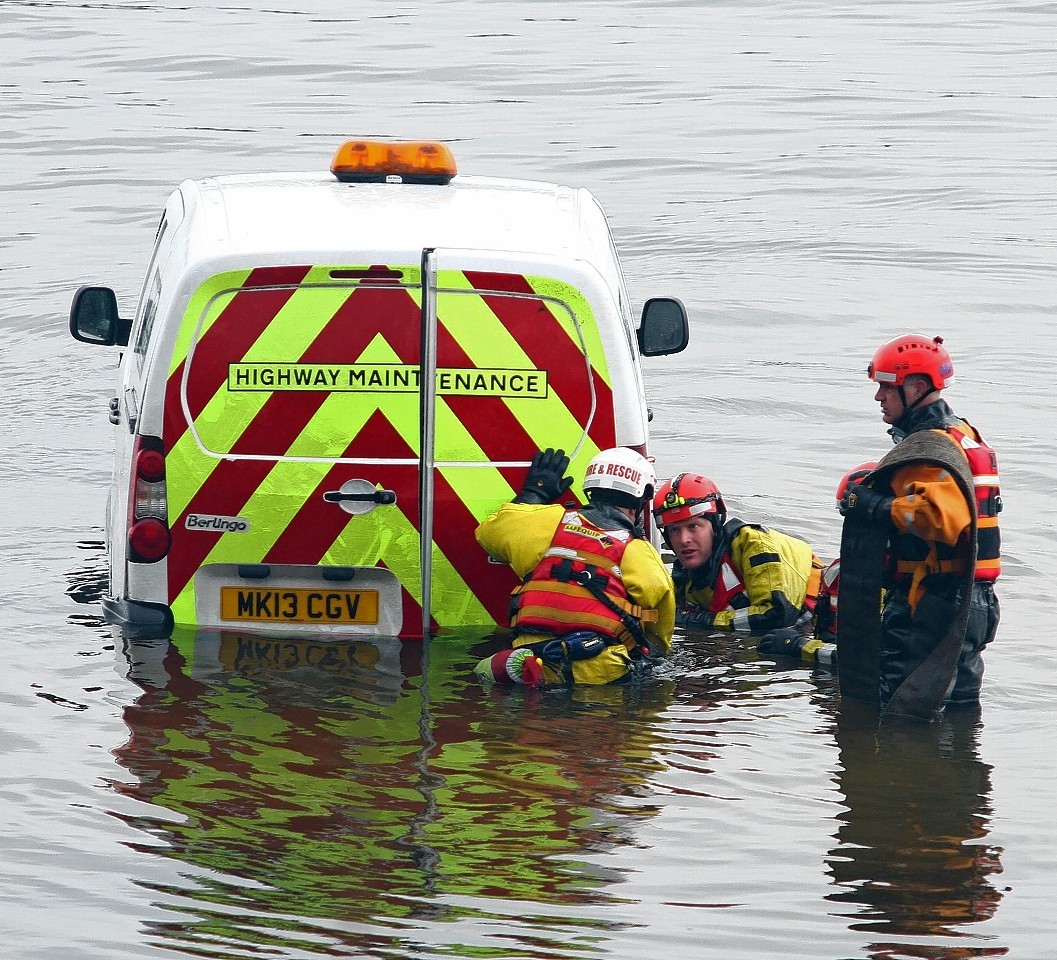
{"x":687,"y":495}
{"x":912,"y":353}
{"x":854,"y":475}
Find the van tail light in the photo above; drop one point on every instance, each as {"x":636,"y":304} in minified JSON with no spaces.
{"x":148,"y":509}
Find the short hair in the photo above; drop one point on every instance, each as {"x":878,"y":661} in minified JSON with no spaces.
{"x":920,"y":378}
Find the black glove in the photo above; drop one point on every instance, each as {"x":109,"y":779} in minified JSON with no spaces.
{"x":787,"y":641}
{"x":790,"y":643}
{"x":546,"y":480}
{"x":866,"y":503}
{"x":695,"y":619}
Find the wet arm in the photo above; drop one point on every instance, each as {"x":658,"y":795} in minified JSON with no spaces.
{"x":520,"y":533}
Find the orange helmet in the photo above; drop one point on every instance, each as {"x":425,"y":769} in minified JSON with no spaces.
{"x":687,"y":495}
{"x":912,"y":353}
{"x":854,"y":475}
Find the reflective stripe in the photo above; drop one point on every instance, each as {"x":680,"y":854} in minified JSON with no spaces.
{"x":235,"y":449}
{"x":730,"y":578}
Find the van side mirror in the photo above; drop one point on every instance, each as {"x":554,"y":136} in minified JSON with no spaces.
{"x":664,"y":328}
{"x":94,"y":318}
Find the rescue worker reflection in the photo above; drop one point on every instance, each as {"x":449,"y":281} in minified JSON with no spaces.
{"x":923,"y":528}
{"x":733,"y":575}
{"x":596,"y":604}
{"x":912,"y":861}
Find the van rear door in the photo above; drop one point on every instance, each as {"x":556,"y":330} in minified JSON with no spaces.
{"x":304,"y":462}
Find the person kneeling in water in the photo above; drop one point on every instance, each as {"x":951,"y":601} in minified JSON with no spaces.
{"x":597,"y":603}
{"x":732,"y":575}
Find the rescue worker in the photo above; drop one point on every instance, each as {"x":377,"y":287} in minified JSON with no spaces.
{"x":732,"y":575}
{"x":597,"y":602}
{"x":924,"y":527}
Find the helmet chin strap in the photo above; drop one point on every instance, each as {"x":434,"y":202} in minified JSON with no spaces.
{"x":909,"y":407}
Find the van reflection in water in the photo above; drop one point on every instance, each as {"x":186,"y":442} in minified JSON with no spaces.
{"x":912,"y":862}
{"x":326,"y":786}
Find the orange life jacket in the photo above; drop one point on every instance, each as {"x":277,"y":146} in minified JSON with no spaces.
{"x":578,"y":586}
{"x":983,"y":464}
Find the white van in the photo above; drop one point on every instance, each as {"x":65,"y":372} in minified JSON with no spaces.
{"x":333,"y":377}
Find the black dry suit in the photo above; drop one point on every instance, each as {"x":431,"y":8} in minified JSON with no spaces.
{"x":936,"y":616}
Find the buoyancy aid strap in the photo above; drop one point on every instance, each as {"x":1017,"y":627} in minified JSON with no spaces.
{"x":576,"y":587}
{"x":907,"y":568}
{"x":592,"y":579}
{"x":863,"y":545}
{"x":593,"y":559}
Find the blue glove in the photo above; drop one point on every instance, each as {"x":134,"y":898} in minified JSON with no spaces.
{"x":866,"y":503}
{"x":546,"y":480}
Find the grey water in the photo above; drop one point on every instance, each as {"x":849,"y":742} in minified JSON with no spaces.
{"x":810,"y":179}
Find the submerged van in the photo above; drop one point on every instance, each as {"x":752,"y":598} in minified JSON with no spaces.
{"x":333,"y":377}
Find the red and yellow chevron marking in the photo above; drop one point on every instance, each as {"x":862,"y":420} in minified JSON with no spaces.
{"x":269,"y":454}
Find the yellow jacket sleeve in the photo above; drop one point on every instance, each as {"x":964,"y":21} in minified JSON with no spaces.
{"x":649,"y":584}
{"x":775,"y":569}
{"x":520,"y":533}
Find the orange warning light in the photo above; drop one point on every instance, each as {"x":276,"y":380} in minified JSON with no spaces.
{"x":380,"y":161}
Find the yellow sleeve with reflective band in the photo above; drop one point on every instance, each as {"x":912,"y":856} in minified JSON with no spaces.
{"x":771,"y":563}
{"x":520,"y":533}
{"x":929,"y":504}
{"x":649,"y":584}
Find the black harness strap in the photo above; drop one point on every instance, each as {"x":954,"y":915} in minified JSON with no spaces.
{"x":862,"y":553}
{"x":593,"y":580}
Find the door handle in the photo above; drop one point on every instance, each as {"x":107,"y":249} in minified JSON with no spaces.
{"x":360,"y":496}
{"x":382,"y":497}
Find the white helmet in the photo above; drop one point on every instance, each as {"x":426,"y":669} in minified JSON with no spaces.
{"x":623,"y":471}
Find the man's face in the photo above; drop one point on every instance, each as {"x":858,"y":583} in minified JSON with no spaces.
{"x":891,"y":403}
{"x":691,"y":541}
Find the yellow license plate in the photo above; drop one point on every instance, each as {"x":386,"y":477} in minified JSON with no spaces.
{"x":298,"y":606}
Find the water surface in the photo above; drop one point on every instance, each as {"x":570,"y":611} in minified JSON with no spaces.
{"x":810,"y":179}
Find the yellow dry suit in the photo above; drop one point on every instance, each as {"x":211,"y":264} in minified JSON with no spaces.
{"x":539,"y":541}
{"x":757,"y":579}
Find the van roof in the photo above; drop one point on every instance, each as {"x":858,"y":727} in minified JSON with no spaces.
{"x":299,"y":216}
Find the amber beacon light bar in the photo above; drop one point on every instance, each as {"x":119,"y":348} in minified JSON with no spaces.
{"x":378,"y":161}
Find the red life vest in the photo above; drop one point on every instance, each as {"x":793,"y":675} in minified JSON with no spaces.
{"x":728,"y":591}
{"x":983,"y":464}
{"x":578,"y":585}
